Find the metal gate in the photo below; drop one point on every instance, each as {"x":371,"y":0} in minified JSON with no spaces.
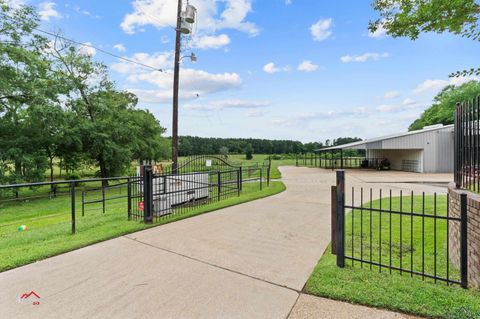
{"x":156,"y":196}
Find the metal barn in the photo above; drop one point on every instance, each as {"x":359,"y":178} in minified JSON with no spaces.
{"x":429,"y":150}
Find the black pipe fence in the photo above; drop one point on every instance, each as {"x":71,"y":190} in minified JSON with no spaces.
{"x":327,"y":160}
{"x":401,"y":233}
{"x":467,"y":145}
{"x":61,"y":206}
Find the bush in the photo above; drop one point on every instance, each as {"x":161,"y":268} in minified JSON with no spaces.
{"x":72,"y":176}
{"x":249,"y":152}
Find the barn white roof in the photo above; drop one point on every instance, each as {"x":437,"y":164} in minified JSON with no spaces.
{"x":363,"y":144}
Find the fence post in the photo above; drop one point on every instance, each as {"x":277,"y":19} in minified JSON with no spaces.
{"x":261,"y":179}
{"x":296,"y":159}
{"x":103,"y":199}
{"x":334,"y":220}
{"x":72,"y":190}
{"x":241,"y":178}
{"x":219,"y":184}
{"x":147,"y":194}
{"x":268,"y":172}
{"x":239,"y":173}
{"x":129,"y":198}
{"x":464,"y":240}
{"x":340,"y":208}
{"x":83,"y":203}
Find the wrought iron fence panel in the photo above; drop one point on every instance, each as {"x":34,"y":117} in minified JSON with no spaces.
{"x":467,"y":145}
{"x":398,"y":231}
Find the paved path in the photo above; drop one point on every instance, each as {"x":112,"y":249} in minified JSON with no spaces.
{"x":247,"y":261}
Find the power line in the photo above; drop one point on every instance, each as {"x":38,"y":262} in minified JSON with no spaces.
{"x":101,"y":50}
{"x":91,"y":46}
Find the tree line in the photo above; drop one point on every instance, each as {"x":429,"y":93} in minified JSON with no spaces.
{"x":59,"y":107}
{"x":194,"y":145}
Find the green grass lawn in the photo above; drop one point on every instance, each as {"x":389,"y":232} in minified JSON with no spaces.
{"x":369,"y":285}
{"x":48,"y":224}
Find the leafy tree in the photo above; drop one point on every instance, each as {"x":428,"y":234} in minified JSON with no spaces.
{"x":111,"y":130}
{"x":249,"y":152}
{"x":26,"y":83}
{"x":312,"y":147}
{"x":410,"y":18}
{"x":224,"y":151}
{"x":443,"y":109}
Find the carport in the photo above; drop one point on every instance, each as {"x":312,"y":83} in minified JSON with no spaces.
{"x":429,"y":150}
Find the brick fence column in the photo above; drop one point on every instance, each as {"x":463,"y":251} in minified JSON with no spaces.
{"x":473,"y":233}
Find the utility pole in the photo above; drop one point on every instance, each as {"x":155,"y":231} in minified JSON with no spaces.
{"x":176,"y":80}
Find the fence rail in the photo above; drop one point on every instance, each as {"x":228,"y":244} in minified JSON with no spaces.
{"x":467,"y":145}
{"x":400,"y":233}
{"x":326,"y":161}
{"x":17,"y":202}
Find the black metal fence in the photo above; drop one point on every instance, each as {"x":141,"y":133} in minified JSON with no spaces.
{"x":61,"y":206}
{"x":250,"y":172}
{"x":399,"y":232}
{"x":329,"y":161}
{"x":158,"y":196}
{"x":467,"y":145}
{"x":68,"y":206}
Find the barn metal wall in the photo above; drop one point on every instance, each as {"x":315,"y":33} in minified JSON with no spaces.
{"x":437,"y":146}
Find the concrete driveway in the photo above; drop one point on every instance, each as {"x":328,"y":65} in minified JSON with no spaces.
{"x":247,"y":261}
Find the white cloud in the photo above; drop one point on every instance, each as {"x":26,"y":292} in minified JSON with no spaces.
{"x":430,"y":85}
{"x":408,"y":102}
{"x":213,"y":15}
{"x":271,"y":68}
{"x":302,"y":119}
{"x":197,"y":81}
{"x":234,"y":15}
{"x":437,"y":85}
{"x":211,"y":42}
{"x":364,"y":57}
{"x":322,"y":29}
{"x":86,"y":13}
{"x":194,"y":83}
{"x":307,"y":66}
{"x":288,"y":2}
{"x":47,"y":11}
{"x":391,"y":95}
{"x":86,"y":49}
{"x":120,"y":47}
{"x":228,"y":104}
{"x":161,"y":60}
{"x":256,"y":113}
{"x":381,"y":32}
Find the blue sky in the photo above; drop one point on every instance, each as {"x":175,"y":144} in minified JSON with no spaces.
{"x":299,"y":69}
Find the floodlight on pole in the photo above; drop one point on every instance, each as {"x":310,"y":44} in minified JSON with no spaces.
{"x":193,"y":57}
